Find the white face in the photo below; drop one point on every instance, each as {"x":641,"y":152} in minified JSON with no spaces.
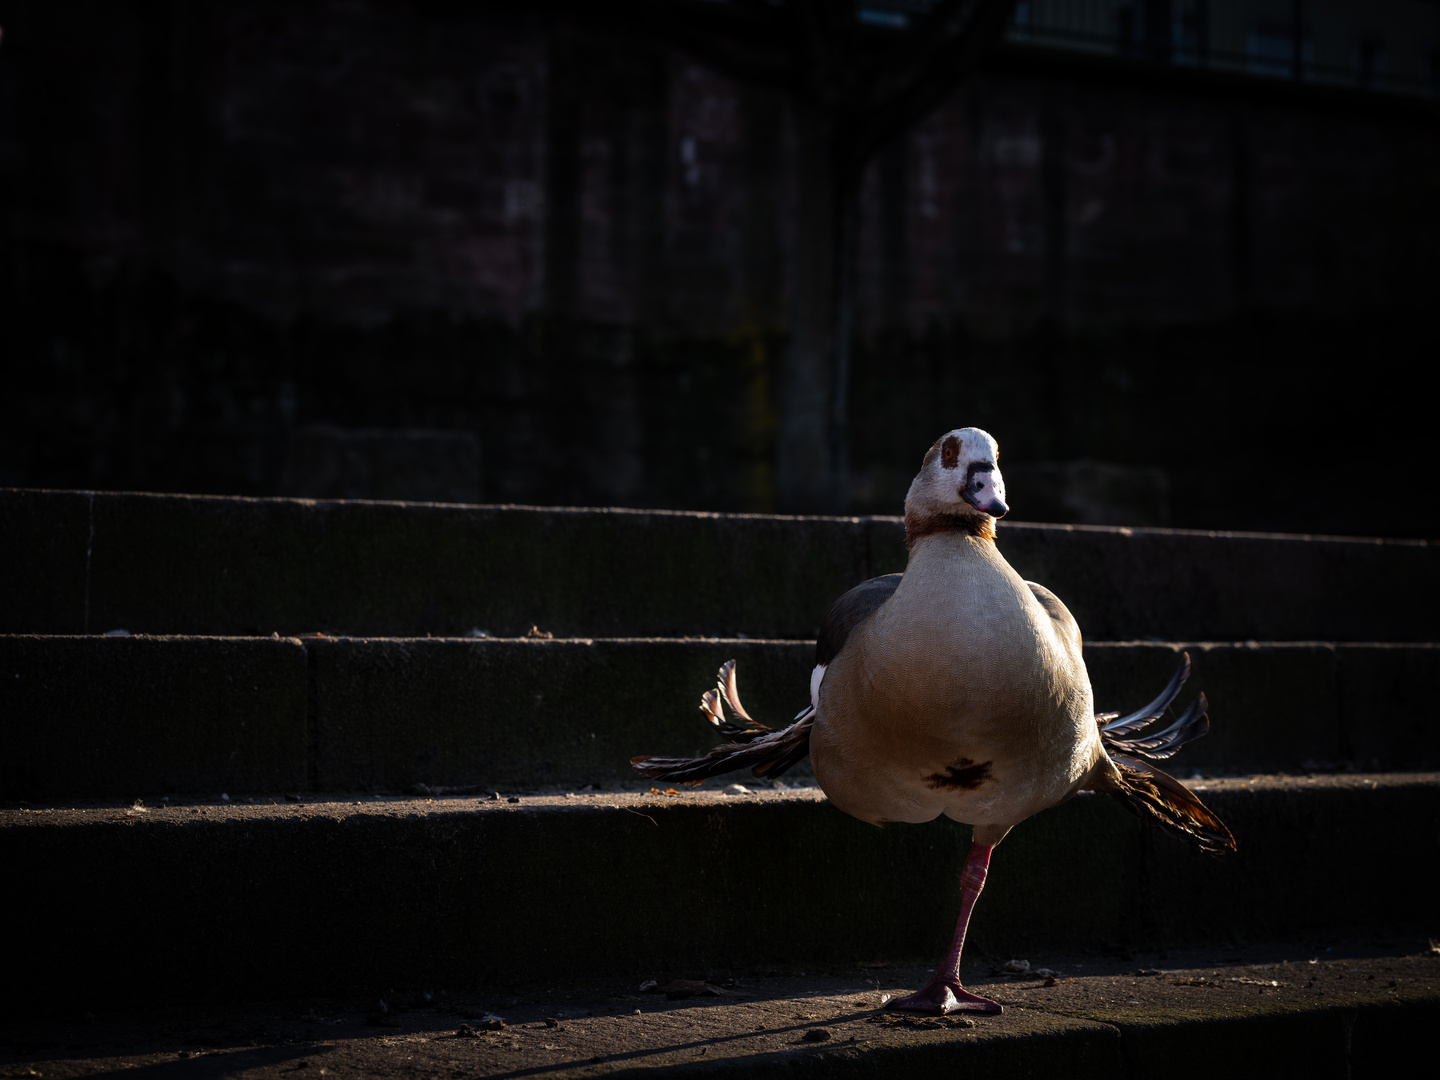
{"x":961,"y":475}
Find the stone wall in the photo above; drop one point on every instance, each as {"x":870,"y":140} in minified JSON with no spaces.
{"x":225,"y":221}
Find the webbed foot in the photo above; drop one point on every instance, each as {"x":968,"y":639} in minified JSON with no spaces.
{"x":943,"y":996}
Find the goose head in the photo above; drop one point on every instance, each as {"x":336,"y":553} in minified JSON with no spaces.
{"x":958,"y":486}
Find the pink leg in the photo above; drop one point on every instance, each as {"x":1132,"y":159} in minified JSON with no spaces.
{"x":944,"y":994}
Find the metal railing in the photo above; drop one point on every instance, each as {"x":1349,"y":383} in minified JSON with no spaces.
{"x":1383,"y":45}
{"x":1390,"y":46}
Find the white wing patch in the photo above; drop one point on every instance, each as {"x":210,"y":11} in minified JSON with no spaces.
{"x":816,"y":678}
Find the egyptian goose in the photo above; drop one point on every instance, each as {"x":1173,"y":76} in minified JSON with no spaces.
{"x":958,"y":688}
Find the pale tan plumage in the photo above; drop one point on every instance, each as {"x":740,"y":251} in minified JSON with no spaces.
{"x":959,"y":689}
{"x":959,"y":696}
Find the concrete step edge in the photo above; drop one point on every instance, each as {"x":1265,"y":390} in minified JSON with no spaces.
{"x":1364,"y":1012}
{"x":144,"y":716}
{"x":461,"y":893}
{"x":81,"y":562}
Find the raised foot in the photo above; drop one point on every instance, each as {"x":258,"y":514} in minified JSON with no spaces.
{"x":943,"y":996}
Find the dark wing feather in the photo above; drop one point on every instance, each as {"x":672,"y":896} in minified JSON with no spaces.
{"x":727,"y":688}
{"x":767,"y":752}
{"x":1193,"y":724}
{"x":764,"y":751}
{"x":1149,"y":793}
{"x":729,"y":685}
{"x":1151,"y":712}
{"x":850,"y":611}
{"x":1058,"y":612}
{"x":1162,"y":800}
{"x":771,"y":754}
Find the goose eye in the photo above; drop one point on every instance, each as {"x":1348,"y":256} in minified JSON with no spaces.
{"x":950,"y":453}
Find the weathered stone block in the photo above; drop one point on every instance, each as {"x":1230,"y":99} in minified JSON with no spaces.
{"x":470,"y":895}
{"x":44,"y":561}
{"x":1171,"y":585}
{"x":227,"y":565}
{"x":515,"y":714}
{"x":1271,"y":706}
{"x":252,"y":566}
{"x":142,"y":716}
{"x":1388,"y":705}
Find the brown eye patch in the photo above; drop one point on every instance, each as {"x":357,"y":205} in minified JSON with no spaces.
{"x":950,"y":453}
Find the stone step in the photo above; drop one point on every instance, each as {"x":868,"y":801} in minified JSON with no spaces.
{"x":368,"y":895}
{"x":86,"y":716}
{"x":77,"y":562}
{"x":1354,"y":1010}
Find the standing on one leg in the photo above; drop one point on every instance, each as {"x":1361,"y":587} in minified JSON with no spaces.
{"x":943,"y":993}
{"x":959,"y":689}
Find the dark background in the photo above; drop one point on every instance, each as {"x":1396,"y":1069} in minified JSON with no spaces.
{"x":542,"y":226}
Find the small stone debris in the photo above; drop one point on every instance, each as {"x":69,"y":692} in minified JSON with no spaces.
{"x":536,"y":632}
{"x":465,"y":1031}
{"x":551,"y":1022}
{"x":513,"y":799}
{"x":495,"y":796}
{"x":816,"y":1035}
{"x":491,"y":1022}
{"x":736,"y":789}
{"x":133,"y":811}
{"x":1014,"y":967}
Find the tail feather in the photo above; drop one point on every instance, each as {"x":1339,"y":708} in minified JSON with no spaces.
{"x":765,"y":751}
{"x":1162,"y":800}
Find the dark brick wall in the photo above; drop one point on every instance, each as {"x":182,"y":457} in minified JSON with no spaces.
{"x":224,"y":220}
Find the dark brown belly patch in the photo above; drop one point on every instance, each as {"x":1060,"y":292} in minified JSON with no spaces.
{"x":964,"y":775}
